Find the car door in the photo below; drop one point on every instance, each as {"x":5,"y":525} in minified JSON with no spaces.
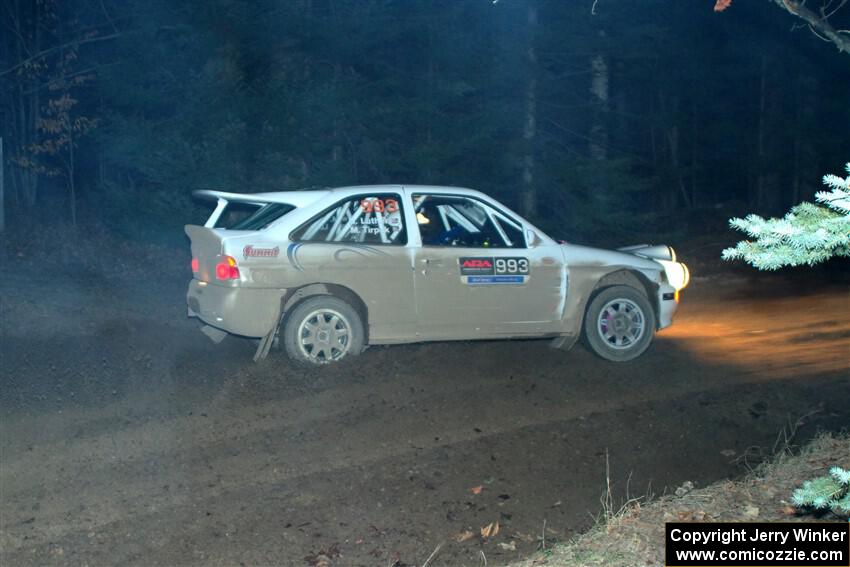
{"x":475,"y":276}
{"x":361,"y":243}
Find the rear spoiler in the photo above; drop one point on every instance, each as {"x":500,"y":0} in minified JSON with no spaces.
{"x":223,"y":199}
{"x":295,"y":199}
{"x":255,"y":199}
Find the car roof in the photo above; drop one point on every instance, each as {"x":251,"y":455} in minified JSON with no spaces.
{"x":305,"y":197}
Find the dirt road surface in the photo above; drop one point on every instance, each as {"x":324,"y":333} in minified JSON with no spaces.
{"x":128,"y":438}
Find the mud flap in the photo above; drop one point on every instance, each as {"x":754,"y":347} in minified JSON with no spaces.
{"x":268,"y":340}
{"x":265,"y":345}
{"x":564,"y":342}
{"x":215,"y":335}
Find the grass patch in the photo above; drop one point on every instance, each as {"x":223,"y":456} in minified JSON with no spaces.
{"x":635,"y":535}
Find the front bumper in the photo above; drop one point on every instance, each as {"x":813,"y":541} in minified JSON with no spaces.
{"x":668,"y":303}
{"x":249,"y":312}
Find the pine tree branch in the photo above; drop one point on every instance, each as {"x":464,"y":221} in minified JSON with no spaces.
{"x":808,"y":234}
{"x":819,"y":23}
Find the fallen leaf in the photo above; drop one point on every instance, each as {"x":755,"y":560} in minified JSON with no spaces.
{"x":728,"y":452}
{"x":323,"y":558}
{"x":508,"y":546}
{"x":751,"y":511}
{"x":464,"y":536}
{"x":319,"y":560}
{"x":789,"y":510}
{"x":490,"y":530}
{"x":477,"y":489}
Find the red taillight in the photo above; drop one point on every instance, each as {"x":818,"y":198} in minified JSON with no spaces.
{"x":195,"y":266}
{"x":226,"y":269}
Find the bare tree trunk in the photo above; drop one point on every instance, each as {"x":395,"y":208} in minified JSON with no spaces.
{"x":31,"y":137}
{"x":529,"y":132}
{"x":757,"y":200}
{"x":71,"y":185}
{"x":2,"y":191}
{"x":671,"y":133}
{"x":805,"y":155}
{"x":598,"y":137}
{"x":600,"y":98}
{"x":26,"y":117}
{"x":35,"y":113}
{"x":336,"y":147}
{"x":771,"y":124}
{"x":101,"y":162}
{"x":694,"y":151}
{"x":676,"y":165}
{"x":796,"y":182}
{"x":431,"y":85}
{"x":24,"y":19}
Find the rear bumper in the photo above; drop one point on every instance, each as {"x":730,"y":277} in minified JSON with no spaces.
{"x":241,"y":311}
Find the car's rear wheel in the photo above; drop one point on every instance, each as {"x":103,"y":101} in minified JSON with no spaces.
{"x":322,"y":330}
{"x":619,"y":323}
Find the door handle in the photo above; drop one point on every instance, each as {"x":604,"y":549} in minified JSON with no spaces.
{"x":432,"y":262}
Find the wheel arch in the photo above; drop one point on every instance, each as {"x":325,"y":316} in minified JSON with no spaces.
{"x":294,"y":297}
{"x":630,"y":278}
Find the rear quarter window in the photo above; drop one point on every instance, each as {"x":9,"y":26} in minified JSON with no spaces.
{"x":251,"y":216}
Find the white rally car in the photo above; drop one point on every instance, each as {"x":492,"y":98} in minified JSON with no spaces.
{"x":328,"y":272}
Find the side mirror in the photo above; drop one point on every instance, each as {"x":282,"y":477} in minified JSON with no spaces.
{"x":531,"y":238}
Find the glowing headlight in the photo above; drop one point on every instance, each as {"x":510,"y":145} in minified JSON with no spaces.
{"x":677,"y":274}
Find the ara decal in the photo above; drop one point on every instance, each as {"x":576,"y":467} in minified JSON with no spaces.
{"x":476,"y":266}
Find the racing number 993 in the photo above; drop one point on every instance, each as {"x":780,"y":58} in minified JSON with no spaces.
{"x":511,"y":265}
{"x":379,"y":205}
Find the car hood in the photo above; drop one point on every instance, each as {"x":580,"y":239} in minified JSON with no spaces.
{"x":577,"y":255}
{"x":651,"y":260}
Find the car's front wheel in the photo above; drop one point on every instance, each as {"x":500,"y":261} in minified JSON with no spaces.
{"x":619,"y":323}
{"x":321,"y":330}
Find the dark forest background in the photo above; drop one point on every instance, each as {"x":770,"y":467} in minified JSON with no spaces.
{"x":596,"y":120}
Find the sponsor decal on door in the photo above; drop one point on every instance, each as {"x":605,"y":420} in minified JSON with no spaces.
{"x":489,"y":270}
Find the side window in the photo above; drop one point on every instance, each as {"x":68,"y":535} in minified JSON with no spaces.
{"x":365,"y":219}
{"x":446,"y":220}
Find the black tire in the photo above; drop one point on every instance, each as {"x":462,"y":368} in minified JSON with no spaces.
{"x":619,"y":323}
{"x":321,"y":330}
